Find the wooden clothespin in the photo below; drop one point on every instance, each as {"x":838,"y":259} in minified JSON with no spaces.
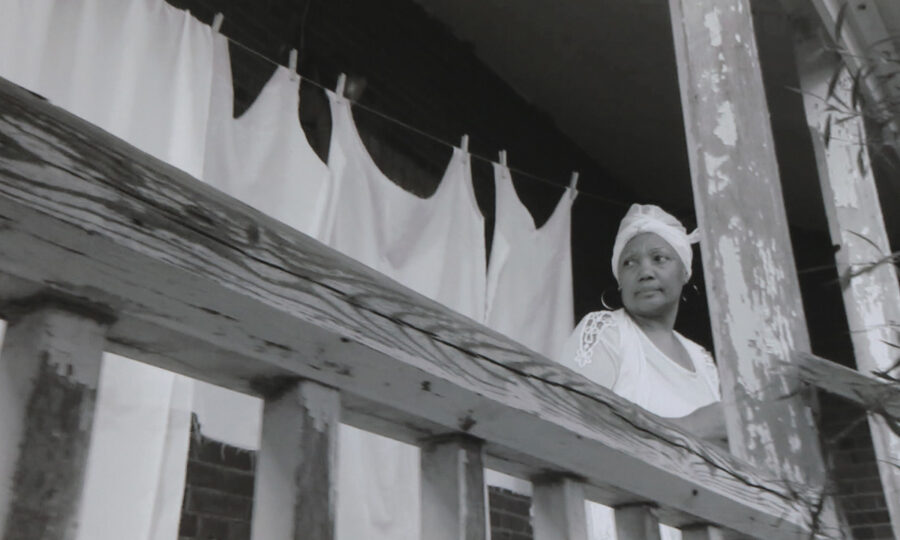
{"x":503,"y":158}
{"x":573,"y":184}
{"x":464,"y":143}
{"x":341,"y":83}
{"x":217,"y":22}
{"x":292,"y":64}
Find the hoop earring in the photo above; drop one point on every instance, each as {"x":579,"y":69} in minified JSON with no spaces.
{"x":604,"y":302}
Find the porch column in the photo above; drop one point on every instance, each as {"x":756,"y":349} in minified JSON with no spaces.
{"x":862,"y":252}
{"x":754,"y":296}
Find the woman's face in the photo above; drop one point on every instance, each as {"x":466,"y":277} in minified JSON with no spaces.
{"x":651,"y":276}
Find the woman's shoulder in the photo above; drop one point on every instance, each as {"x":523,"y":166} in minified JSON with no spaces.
{"x":596,"y":327}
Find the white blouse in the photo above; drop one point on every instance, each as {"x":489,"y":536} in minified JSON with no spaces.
{"x":610,"y":349}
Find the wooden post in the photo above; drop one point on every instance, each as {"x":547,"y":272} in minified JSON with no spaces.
{"x":754,"y":295}
{"x":636,"y":522}
{"x":702,"y":532}
{"x":868,"y":276}
{"x":295,"y":494}
{"x":558,"y":503}
{"x":49,"y":371}
{"x":453,"y":490}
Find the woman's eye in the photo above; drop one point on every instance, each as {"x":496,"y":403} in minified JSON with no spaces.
{"x":661,"y":258}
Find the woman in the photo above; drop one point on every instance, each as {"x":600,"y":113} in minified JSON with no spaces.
{"x":635,"y":351}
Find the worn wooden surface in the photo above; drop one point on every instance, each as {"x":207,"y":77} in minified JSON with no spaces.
{"x":702,"y":532}
{"x":862,"y":252}
{"x":754,"y":297}
{"x":295,"y":496}
{"x":208,"y":287}
{"x":636,"y":522}
{"x":454,"y":496}
{"x":49,"y":371}
{"x":559,"y":509}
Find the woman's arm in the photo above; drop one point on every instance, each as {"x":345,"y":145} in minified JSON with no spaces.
{"x":707,"y":422}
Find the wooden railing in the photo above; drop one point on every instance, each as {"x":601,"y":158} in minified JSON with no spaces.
{"x":105,"y":248}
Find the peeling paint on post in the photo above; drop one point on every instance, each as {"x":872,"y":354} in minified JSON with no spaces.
{"x":49,"y":371}
{"x":871,"y":298}
{"x":295,"y":495}
{"x":754,"y":295}
{"x":454,"y":497}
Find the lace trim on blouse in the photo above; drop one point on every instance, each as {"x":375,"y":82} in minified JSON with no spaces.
{"x":594,"y":323}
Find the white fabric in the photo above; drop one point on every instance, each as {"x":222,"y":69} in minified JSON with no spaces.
{"x":142,"y":70}
{"x":610,"y":349}
{"x":263,"y":158}
{"x":227,"y":416}
{"x":434,"y":246}
{"x":529,"y":283}
{"x":642,"y":218}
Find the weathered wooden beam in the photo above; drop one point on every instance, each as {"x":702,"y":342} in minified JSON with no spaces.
{"x":636,"y":522}
{"x":49,"y":372}
{"x":208,"y":287}
{"x":863,"y":255}
{"x":295,"y":496}
{"x":454,"y":499}
{"x":559,"y":508}
{"x":877,"y":395}
{"x":754,"y":295}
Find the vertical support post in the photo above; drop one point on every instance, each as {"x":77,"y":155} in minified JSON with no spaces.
{"x":558,"y":503}
{"x":453,"y":491}
{"x":636,"y":522}
{"x":868,"y":274}
{"x":295,"y":495}
{"x":754,"y":294}
{"x":49,"y":371}
{"x":702,"y":532}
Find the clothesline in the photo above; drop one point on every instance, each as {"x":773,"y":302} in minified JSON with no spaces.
{"x":429,"y":136}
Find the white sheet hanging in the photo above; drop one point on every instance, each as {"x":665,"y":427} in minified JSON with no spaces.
{"x":142,"y":70}
{"x":529,"y":283}
{"x":434,"y":246}
{"x":263,"y":158}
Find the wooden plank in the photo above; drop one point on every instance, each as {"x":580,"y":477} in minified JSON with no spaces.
{"x":559,"y":510}
{"x":49,"y":371}
{"x":295,"y":495}
{"x":874,"y":394}
{"x":205,"y":286}
{"x":636,"y":522}
{"x":754,"y":296}
{"x":863,"y":255}
{"x":454,"y":497}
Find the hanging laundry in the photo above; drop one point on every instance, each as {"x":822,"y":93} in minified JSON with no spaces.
{"x":434,"y":246}
{"x":529,"y":282}
{"x":263,"y":158}
{"x":141,"y":70}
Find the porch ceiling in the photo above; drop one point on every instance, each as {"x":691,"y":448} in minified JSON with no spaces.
{"x":605,"y":71}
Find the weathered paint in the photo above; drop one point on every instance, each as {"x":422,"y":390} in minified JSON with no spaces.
{"x":453,"y":490}
{"x":294,"y":495}
{"x":871,"y":294}
{"x":558,"y":508}
{"x":753,"y":289}
{"x":49,"y":371}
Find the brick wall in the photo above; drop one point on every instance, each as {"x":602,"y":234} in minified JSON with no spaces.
{"x":510,"y":515}
{"x":854,"y":469}
{"x":218,"y":493}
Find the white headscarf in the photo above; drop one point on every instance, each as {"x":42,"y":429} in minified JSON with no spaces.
{"x":642,"y":218}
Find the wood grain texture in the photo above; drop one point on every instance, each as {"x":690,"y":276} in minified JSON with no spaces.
{"x":206,"y":286}
{"x":454,"y":496}
{"x":49,"y":371}
{"x":754,"y":296}
{"x":295,"y":495}
{"x":558,"y":505}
